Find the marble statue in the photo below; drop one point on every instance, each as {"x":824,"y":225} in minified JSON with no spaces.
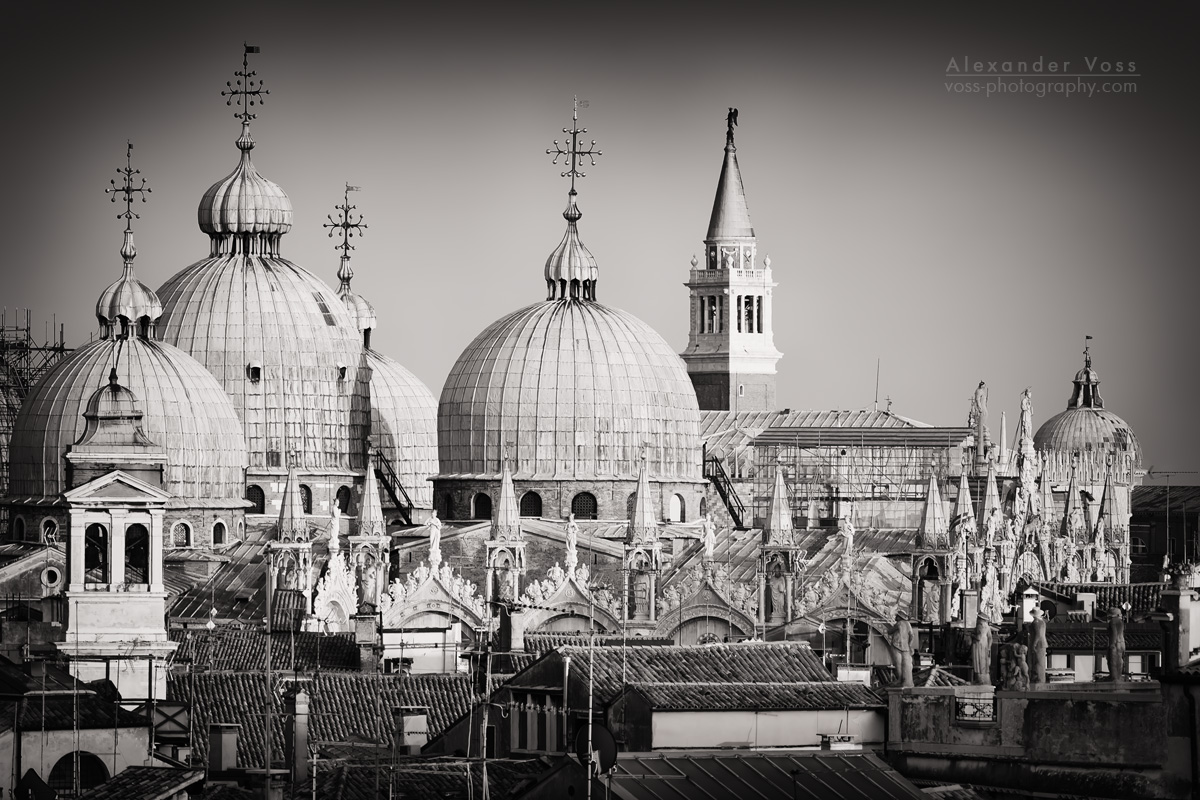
{"x":1037,"y":646}
{"x":435,"y":539}
{"x":979,"y":405}
{"x":778,"y":589}
{"x":710,"y":537}
{"x":904,"y":642}
{"x":1016,"y":668}
{"x":1116,"y":644}
{"x":572,"y":557}
{"x":981,"y":652}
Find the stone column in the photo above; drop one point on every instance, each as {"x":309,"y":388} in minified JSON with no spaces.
{"x":76,"y":559}
{"x":116,"y":548}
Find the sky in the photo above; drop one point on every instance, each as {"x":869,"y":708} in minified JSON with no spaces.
{"x":949,"y":236}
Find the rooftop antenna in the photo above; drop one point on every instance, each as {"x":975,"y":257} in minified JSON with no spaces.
{"x":877,"y":360}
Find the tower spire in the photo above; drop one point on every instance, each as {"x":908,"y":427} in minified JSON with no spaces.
{"x":571,"y":272}
{"x":731,"y":353}
{"x":778,"y":526}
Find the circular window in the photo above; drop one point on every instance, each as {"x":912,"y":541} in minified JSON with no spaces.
{"x":51,"y":577}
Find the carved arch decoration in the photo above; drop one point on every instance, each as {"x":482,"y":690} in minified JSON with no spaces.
{"x":438,"y":591}
{"x":337,"y":595}
{"x":562,"y":595}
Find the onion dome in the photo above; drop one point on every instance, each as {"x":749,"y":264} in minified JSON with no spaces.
{"x":576,"y":389}
{"x":571,"y":269}
{"x":245,"y":212}
{"x":273,"y":334}
{"x":1086,"y":426}
{"x":127,"y":300}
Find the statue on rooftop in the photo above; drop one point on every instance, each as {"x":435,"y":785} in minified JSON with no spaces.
{"x":709,"y":534}
{"x":435,"y":539}
{"x":981,"y":652}
{"x":572,"y":557}
{"x":1037,"y":646}
{"x":1116,"y":644}
{"x":904,"y":642}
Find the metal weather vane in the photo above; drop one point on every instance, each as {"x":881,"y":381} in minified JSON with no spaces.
{"x":346,"y":223}
{"x":126,"y":189}
{"x":569,"y":150}
{"x":245,"y":90}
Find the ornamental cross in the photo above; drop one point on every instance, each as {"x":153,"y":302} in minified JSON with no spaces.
{"x":127,"y":190}
{"x":345,"y":222}
{"x":569,"y":150}
{"x":245,"y":90}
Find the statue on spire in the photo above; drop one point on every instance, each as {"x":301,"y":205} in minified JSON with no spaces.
{"x":731,"y":121}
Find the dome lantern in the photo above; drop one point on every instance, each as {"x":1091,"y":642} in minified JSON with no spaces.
{"x":571,"y":271}
{"x":127,"y":302}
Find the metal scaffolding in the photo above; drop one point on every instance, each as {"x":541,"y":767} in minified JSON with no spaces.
{"x":22,"y":363}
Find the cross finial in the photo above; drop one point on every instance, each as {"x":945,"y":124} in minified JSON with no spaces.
{"x":569,"y":150}
{"x":127,"y":190}
{"x":245,"y":90}
{"x":349,"y":225}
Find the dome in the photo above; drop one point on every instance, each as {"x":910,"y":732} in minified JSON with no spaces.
{"x":1087,"y":426}
{"x":404,"y":425}
{"x":183,"y":409}
{"x":285,"y":351}
{"x":113,"y":401}
{"x":245,"y":202}
{"x":127,"y":298}
{"x":576,"y":389}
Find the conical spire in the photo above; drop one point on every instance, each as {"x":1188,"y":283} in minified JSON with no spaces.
{"x":778,"y":525}
{"x":991,"y":511}
{"x":506,"y":524}
{"x":128,"y":301}
{"x":1073,"y":525}
{"x":934,"y":531}
{"x":571,"y":272}
{"x":730,"y":220}
{"x":1102,"y":534}
{"x":964,"y":510}
{"x":642,"y":524}
{"x":1049,"y":516}
{"x":293,"y":526}
{"x":370,"y":515}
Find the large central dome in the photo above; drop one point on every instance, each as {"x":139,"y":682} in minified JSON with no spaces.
{"x":575,"y":389}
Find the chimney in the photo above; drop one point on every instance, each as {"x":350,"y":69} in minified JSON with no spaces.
{"x":1180,"y":632}
{"x":412,"y":728}
{"x":365,"y":636}
{"x":1029,"y":601}
{"x":511,"y":634}
{"x":1087,"y":603}
{"x":295,"y":705}
{"x":222,"y":746}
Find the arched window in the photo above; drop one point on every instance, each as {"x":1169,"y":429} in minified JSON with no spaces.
{"x":137,"y":554}
{"x":92,"y":773}
{"x":703,"y":506}
{"x":481,"y":506}
{"x":218,"y":533}
{"x":306,"y":498}
{"x":677,"y":511}
{"x":343,"y":497}
{"x":257,"y":498}
{"x":583,"y":505}
{"x":181,"y":534}
{"x":241,"y":534}
{"x":49,"y":531}
{"x":19,"y":529}
{"x":531,"y":504}
{"x":95,"y":554}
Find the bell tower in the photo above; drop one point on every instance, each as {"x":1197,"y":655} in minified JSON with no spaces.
{"x":731,"y":351}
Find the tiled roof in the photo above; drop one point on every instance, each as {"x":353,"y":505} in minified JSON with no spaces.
{"x":1153,"y":499}
{"x":730,"y":696}
{"x":15,"y":681}
{"x":225,"y":791}
{"x":540,"y":642}
{"x":59,"y":712}
{"x":243,"y":649}
{"x":742,"y":775}
{"x":886,"y":675}
{"x":1096,"y":638}
{"x":344,"y":706}
{"x":954,"y":791}
{"x":427,"y":778}
{"x":236,"y":592}
{"x":145,"y":783}
{"x":1141,"y":596}
{"x":751,"y":662}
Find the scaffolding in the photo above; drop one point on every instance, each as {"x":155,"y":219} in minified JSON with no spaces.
{"x":22,"y":363}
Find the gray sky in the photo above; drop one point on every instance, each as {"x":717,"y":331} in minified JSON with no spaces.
{"x":956,"y":237}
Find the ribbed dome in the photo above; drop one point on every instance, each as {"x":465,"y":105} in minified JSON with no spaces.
{"x":404,"y":425}
{"x":127,"y":297}
{"x":1086,"y":426}
{"x":285,"y":350}
{"x":578,"y":389}
{"x":1080,"y":430}
{"x":361,"y":311}
{"x":113,"y":401}
{"x":183,"y":409}
{"x":245,"y":202}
